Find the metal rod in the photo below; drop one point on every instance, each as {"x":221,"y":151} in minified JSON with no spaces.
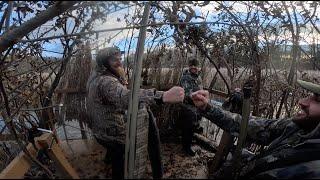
{"x":134,"y":99}
{"x":44,"y":130}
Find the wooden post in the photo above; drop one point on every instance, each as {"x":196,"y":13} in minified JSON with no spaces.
{"x":243,"y":131}
{"x":21,"y":163}
{"x":205,"y":143}
{"x":226,"y":140}
{"x":55,"y":153}
{"x":222,"y":151}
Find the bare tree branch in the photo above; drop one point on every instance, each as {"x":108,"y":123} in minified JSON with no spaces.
{"x":4,"y":15}
{"x":11,"y":37}
{"x":123,"y":28}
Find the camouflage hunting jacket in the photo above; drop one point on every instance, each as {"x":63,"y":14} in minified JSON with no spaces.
{"x":107,"y":102}
{"x":289,"y":151}
{"x":190,"y":83}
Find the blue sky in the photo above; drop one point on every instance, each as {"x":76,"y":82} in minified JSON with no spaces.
{"x":55,"y":46}
{"x":120,"y":39}
{"x":121,"y":43}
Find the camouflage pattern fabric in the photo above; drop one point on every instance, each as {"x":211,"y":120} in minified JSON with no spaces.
{"x":288,"y":148}
{"x":107,"y":101}
{"x":190,"y":83}
{"x":304,"y":170}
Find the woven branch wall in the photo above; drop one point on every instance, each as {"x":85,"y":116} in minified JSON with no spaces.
{"x":75,"y":79}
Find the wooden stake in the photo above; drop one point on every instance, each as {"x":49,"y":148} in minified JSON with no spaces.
{"x":55,"y":153}
{"x":21,"y":164}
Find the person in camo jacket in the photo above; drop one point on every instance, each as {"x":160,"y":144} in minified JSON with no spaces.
{"x":107,"y":101}
{"x":189,"y":118}
{"x":291,"y":145}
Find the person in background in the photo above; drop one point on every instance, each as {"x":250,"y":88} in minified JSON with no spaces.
{"x":189,"y":118}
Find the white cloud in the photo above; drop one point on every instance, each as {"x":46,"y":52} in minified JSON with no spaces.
{"x":237,"y":7}
{"x":112,"y":22}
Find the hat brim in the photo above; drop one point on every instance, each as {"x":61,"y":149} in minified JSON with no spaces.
{"x":315,"y":88}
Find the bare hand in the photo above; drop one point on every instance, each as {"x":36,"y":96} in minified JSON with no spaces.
{"x":200,"y":99}
{"x":173,"y":95}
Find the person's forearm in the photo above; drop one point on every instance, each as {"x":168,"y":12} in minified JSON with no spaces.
{"x":227,"y":121}
{"x":260,"y":130}
{"x":151,"y":96}
{"x":147,"y":96}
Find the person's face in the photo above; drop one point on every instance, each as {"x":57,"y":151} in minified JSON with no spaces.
{"x":193,"y":69}
{"x":309,"y":115}
{"x":115,"y":61}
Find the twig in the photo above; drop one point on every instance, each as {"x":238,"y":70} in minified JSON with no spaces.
{"x":123,"y":28}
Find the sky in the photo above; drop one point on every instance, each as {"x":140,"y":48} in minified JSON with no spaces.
{"x":209,"y":9}
{"x":121,"y":38}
